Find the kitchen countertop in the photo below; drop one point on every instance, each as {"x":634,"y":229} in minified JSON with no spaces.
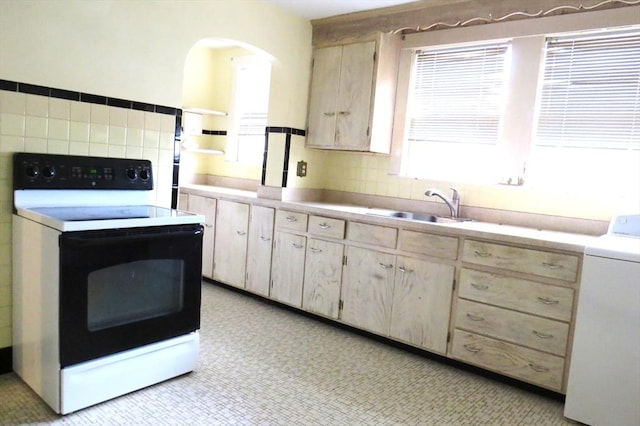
{"x":470,"y":229}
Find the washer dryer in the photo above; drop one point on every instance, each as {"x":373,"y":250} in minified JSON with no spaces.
{"x":604,"y":377}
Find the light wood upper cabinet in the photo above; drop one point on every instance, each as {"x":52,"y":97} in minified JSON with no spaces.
{"x":287,"y":268}
{"x":231,"y":238}
{"x":259,"y":250}
{"x":422,"y":303}
{"x":352,"y":96}
{"x":322,"y":277}
{"x":207,"y":207}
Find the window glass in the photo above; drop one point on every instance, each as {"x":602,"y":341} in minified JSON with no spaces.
{"x":454,"y":111}
{"x":588,"y":125}
{"x":249,"y":109}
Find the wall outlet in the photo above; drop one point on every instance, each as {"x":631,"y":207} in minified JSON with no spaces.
{"x":301,"y":170}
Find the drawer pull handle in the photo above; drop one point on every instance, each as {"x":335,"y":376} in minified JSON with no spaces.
{"x":481,"y":287}
{"x":538,"y":368}
{"x":241,"y":233}
{"x":344,"y":113}
{"x":552,"y":265}
{"x":208,"y":226}
{"x":329,"y":114}
{"x":482,"y":253}
{"x":315,"y":250}
{"x":548,"y":301}
{"x":385,"y":266}
{"x":298,"y":246}
{"x":324,"y":226}
{"x":471,"y":348}
{"x":291,"y":219}
{"x":542,"y":335}
{"x":473,"y":317}
{"x":405,"y":270}
{"x":265,"y":238}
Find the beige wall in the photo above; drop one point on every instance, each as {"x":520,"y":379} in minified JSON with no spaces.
{"x":133,"y":50}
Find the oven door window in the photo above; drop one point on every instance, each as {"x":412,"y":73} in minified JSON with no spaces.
{"x":125,"y":288}
{"x":133,"y":292}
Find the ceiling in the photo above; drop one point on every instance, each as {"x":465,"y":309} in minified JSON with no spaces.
{"x":316,"y":9}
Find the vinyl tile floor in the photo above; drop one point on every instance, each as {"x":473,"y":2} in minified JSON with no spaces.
{"x":261,"y":364}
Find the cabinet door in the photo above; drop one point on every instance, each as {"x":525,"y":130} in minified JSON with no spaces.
{"x":322,"y":277}
{"x":325,"y":84}
{"x":422,"y":303}
{"x":287,"y":269}
{"x":230,"y":255}
{"x":259,"y":250}
{"x":354,"y":100}
{"x":207,"y":207}
{"x":367,"y":289}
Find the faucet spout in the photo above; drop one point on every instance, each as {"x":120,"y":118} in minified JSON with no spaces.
{"x":453,"y":203}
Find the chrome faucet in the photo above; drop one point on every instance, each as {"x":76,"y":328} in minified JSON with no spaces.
{"x":453,"y":203}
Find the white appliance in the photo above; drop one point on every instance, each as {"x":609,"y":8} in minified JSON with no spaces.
{"x":106,"y":288}
{"x":604,"y":377}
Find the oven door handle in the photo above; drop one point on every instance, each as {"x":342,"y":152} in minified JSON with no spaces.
{"x":113,"y":236}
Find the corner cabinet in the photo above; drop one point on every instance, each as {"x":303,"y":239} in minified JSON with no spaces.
{"x":352,"y":96}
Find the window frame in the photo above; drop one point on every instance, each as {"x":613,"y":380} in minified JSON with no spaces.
{"x":528,"y":39}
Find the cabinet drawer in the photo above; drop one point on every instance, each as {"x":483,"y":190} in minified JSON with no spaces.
{"x":291,"y":220}
{"x":512,"y":360}
{"x":429,"y":244}
{"x":536,"y":262}
{"x":520,"y":295}
{"x":326,"y":227}
{"x":372,"y":234}
{"x":523,"y":329}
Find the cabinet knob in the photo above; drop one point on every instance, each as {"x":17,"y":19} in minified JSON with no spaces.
{"x":538,"y":368}
{"x":473,"y":317}
{"x":549,"y":265}
{"x":471,"y":348}
{"x":542,"y":335}
{"x":480,"y":287}
{"x":482,"y":253}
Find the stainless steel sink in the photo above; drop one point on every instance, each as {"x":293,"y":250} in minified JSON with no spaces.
{"x":421,"y":217}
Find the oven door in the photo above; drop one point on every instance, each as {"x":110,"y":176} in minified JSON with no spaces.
{"x":124,"y":288}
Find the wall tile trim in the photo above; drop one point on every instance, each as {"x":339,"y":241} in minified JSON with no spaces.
{"x":14,"y":86}
{"x":288,"y":131}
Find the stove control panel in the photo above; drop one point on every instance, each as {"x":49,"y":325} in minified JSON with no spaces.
{"x":50,"y":171}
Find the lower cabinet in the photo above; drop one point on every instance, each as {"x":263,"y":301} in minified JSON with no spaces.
{"x":421,"y":304}
{"x":287,"y":268}
{"x":367,"y":289}
{"x":322,"y":277}
{"x":259,"y":250}
{"x":205,"y":206}
{"x":230,"y":253}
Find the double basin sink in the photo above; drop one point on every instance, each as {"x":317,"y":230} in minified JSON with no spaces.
{"x":420,"y":217}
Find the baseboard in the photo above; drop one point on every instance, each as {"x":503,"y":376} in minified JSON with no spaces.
{"x":6,"y":363}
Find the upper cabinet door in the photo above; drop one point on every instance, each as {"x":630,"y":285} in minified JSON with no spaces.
{"x":352,"y":95}
{"x":324,"y":96}
{"x":354,"y":100}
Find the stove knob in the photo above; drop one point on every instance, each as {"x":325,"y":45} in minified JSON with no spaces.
{"x":48,"y":171}
{"x":132,"y":174}
{"x":32,"y":171}
{"x":144,"y":174}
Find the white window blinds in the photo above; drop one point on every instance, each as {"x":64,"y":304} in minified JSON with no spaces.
{"x":457,"y":94}
{"x":590,"y":96}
